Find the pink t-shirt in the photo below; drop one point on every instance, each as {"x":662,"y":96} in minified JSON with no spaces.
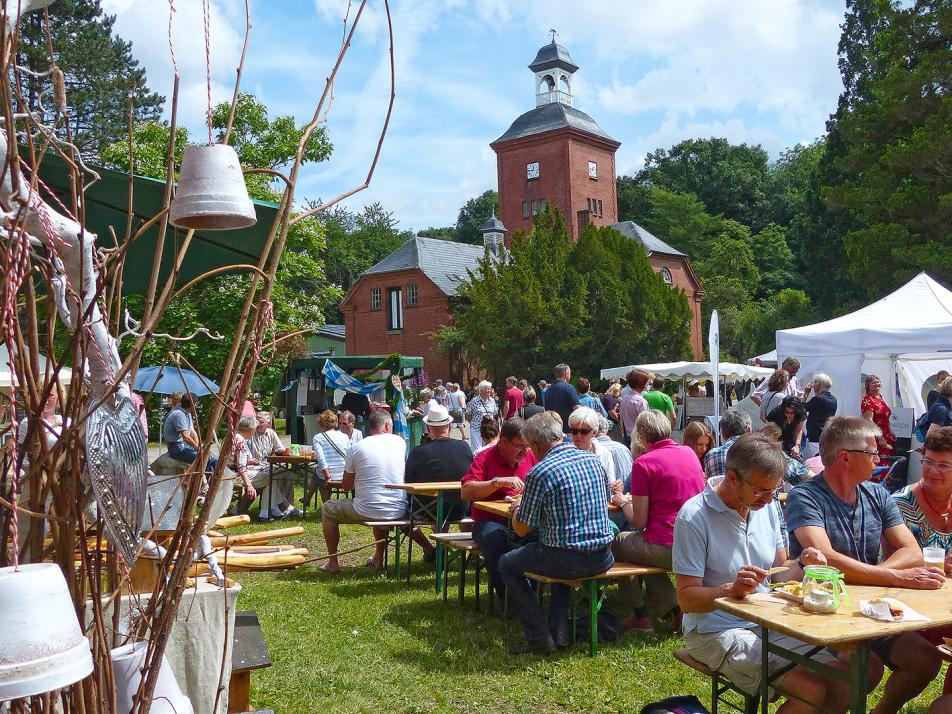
{"x":515,"y":400}
{"x":668,"y":474}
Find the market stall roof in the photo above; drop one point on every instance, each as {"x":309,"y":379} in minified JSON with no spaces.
{"x":767,"y":359}
{"x":106,"y":206}
{"x":729,"y":371}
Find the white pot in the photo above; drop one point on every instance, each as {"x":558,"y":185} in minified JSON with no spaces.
{"x":127,"y":663}
{"x":43,"y":647}
{"x":211,"y":193}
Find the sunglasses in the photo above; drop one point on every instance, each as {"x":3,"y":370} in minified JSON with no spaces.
{"x":583,"y":432}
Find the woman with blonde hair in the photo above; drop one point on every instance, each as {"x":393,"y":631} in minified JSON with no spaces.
{"x":776,"y":391}
{"x":330,"y":451}
{"x":698,"y":438}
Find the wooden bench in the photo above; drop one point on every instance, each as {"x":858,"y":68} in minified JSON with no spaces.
{"x":462,"y":547}
{"x":248,"y":652}
{"x":596,"y":596}
{"x":394,"y":535}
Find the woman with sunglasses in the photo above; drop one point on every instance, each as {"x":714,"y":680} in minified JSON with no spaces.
{"x":926,"y":506}
{"x":791,"y":417}
{"x":583,"y":426}
{"x":663,"y":478}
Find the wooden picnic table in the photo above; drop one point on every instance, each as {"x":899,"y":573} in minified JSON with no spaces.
{"x":432,"y":489}
{"x":503,"y":509}
{"x":298,"y":466}
{"x":846,"y":629}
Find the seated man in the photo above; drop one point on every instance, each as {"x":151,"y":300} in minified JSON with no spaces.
{"x":495,"y":473}
{"x":848,"y":518}
{"x":179,"y":433}
{"x":370,"y":465}
{"x":566,"y":501}
{"x":345,"y":424}
{"x":726,"y":538}
{"x":239,"y":457}
{"x":734,"y":424}
{"x":440,"y":459}
{"x":265,"y":442}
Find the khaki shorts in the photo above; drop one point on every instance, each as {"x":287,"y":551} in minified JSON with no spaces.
{"x":341,"y":510}
{"x":736,"y":654}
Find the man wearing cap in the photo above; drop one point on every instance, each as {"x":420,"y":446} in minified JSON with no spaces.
{"x":441,"y":459}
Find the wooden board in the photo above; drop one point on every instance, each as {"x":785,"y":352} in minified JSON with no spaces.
{"x":291,"y":460}
{"x":431,"y":488}
{"x":248,"y":652}
{"x":618,"y":570}
{"x":847,"y":625}
{"x":497,"y":508}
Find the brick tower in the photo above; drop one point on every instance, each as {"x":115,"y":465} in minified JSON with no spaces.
{"x":556,"y":154}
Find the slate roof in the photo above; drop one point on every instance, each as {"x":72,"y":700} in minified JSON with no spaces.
{"x":552,"y":116}
{"x":650,"y":243}
{"x":334,"y":331}
{"x":492,"y":224}
{"x":552,"y":55}
{"x":442,"y":261}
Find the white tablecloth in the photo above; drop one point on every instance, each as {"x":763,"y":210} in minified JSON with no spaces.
{"x":197,"y":641}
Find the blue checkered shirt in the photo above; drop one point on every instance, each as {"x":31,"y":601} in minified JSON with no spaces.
{"x":715,"y":461}
{"x":566,"y":500}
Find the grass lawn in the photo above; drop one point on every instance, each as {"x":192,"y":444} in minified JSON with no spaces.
{"x":359,"y":642}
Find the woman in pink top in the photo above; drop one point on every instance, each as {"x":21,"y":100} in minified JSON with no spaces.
{"x":662,"y":479}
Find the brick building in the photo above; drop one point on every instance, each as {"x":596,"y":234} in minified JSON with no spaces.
{"x":554,"y":154}
{"x":393,"y":306}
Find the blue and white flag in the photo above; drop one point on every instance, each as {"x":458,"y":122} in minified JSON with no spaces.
{"x":336,"y":378}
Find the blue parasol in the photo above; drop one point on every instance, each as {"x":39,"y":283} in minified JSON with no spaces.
{"x":168,"y":379}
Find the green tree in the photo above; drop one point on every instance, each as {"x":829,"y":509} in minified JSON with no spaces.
{"x":895,"y":169}
{"x":774,"y":260}
{"x":100,"y":74}
{"x":729,"y":179}
{"x":473,"y":214}
{"x":681,"y":220}
{"x":591,"y":303}
{"x":441,"y":233}
{"x":788,"y":181}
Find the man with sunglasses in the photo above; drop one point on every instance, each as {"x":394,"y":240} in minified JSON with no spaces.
{"x":851,"y":521}
{"x":495,"y":474}
{"x":726,"y":539}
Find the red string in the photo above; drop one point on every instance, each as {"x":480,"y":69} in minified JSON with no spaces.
{"x":207,"y":14}
{"x":171,"y":48}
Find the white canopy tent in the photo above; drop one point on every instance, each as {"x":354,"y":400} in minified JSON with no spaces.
{"x":44,"y":367}
{"x":905,"y":335}
{"x":729,"y":372}
{"x":767,"y":359}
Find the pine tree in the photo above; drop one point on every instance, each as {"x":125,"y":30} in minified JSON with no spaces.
{"x":100,"y":72}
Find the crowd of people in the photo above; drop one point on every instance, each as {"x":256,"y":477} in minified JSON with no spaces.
{"x":599,"y":479}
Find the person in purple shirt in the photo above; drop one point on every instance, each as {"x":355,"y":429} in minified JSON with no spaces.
{"x":662,"y":480}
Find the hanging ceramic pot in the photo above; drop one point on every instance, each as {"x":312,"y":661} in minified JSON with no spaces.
{"x":211,"y":193}
{"x":43,"y":646}
{"x":127,"y":664}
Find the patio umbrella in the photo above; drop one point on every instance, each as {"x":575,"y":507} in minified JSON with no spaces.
{"x":168,"y":379}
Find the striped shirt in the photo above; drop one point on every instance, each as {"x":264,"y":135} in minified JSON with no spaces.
{"x":566,"y":500}
{"x":926,"y":535}
{"x":330,"y":450}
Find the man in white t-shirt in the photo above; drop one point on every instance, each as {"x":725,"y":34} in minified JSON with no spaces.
{"x":276,"y":490}
{"x":374,"y":462}
{"x":345,"y":425}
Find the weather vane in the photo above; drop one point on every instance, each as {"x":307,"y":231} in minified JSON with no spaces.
{"x":554,"y":33}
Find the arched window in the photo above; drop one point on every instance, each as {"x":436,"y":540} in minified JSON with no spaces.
{"x":666,"y":276}
{"x":564,"y":84}
{"x":547,"y":84}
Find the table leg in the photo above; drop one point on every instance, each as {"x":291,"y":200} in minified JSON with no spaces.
{"x":858,"y":681}
{"x":410,"y":540}
{"x":305,"y":472}
{"x":764,"y":671}
{"x":270,"y":490}
{"x":439,"y":546}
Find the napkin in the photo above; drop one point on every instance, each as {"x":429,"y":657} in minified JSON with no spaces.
{"x":880,"y":611}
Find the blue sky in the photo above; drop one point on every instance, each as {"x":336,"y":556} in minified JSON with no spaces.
{"x":651,"y":74}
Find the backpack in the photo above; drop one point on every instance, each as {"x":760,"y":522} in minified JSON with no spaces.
{"x":922,"y":427}
{"x":609,"y":629}
{"x":676,"y":705}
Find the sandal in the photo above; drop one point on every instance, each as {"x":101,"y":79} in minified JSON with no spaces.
{"x":370,"y":564}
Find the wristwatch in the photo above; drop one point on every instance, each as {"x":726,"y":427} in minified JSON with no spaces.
{"x":495,"y":481}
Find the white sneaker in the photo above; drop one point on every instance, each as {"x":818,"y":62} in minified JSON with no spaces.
{"x":293,"y":512}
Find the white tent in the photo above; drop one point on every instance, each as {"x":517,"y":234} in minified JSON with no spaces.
{"x":767,"y":359}
{"x":44,"y":367}
{"x":906,"y":335}
{"x":728,"y":371}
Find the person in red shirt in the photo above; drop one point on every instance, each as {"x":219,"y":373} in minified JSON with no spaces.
{"x":495,"y":473}
{"x":514,"y":400}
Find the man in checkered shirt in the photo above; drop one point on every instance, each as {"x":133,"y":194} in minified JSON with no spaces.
{"x":566,"y":502}
{"x":733,"y":424}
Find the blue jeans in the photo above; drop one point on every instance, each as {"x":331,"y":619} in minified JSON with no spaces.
{"x":556,"y":563}
{"x":493,"y":540}
{"x":186,"y":453}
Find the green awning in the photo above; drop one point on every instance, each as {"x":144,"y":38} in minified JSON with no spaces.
{"x":106,"y":207}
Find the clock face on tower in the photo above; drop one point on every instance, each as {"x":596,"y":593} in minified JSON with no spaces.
{"x":532,"y":170}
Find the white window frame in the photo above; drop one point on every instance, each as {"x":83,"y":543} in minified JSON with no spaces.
{"x":413,"y":295}
{"x":375,"y":298}
{"x":394,"y":309}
